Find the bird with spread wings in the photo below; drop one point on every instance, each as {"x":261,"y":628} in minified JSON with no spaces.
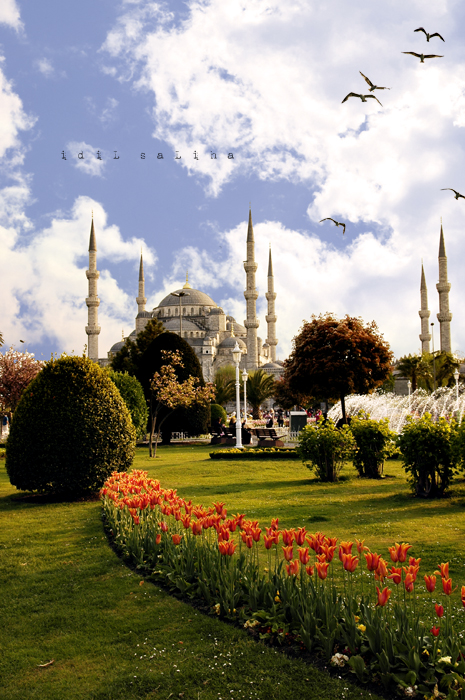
{"x":362,"y":97}
{"x":457,"y":194}
{"x":422,"y":56}
{"x":338,"y":223}
{"x":371,"y":86}
{"x":428,"y":36}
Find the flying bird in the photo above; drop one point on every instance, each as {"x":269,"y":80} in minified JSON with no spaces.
{"x":372,"y":87}
{"x":457,"y":194}
{"x":422,"y":56}
{"x":428,"y":36}
{"x":362,"y":97}
{"x":338,"y":223}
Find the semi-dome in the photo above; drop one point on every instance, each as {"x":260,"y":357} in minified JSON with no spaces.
{"x":172,"y":324}
{"x":231,"y":341}
{"x":216,"y":311}
{"x":117,"y":347}
{"x":195,"y":297}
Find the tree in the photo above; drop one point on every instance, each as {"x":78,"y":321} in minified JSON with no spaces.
{"x":225,"y":384}
{"x":415,"y":368}
{"x":334,"y":357}
{"x":129,"y":358}
{"x":167,"y":393}
{"x":133,"y":396}
{"x":260,"y":386}
{"x":17,"y":370}
{"x":283,"y":395}
{"x":71,"y":430}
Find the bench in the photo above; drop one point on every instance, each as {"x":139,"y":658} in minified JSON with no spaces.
{"x":267,"y":437}
{"x":228,"y":437}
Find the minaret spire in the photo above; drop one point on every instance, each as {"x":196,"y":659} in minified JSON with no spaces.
{"x":92,"y":301}
{"x":141,"y":299}
{"x":271,"y":317}
{"x":251,"y":294}
{"x":443,"y":287}
{"x":424,"y":313}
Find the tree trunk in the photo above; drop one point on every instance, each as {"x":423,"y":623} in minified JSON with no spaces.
{"x":343,"y":407}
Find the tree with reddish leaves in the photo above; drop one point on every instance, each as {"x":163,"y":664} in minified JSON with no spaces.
{"x":17,"y":370}
{"x":333,"y":357}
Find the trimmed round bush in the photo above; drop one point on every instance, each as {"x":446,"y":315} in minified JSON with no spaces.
{"x":217,"y":411}
{"x":70,"y":431}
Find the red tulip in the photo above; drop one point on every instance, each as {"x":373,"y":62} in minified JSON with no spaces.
{"x":444,"y":570}
{"x":328,"y":551}
{"x":164,"y":526}
{"x":447,"y":585}
{"x":292,"y":568}
{"x":398,"y":552}
{"x":288,"y":552}
{"x":345,"y":548}
{"x":304,"y":555}
{"x":430,"y":582}
{"x":414,"y":562}
{"x":349,"y":562}
{"x":463,"y":596}
{"x":255,"y":532}
{"x":435,"y":631}
{"x":372,"y":560}
{"x":409,"y":581}
{"x":361,"y":546}
{"x":288,"y":537}
{"x":322,"y":569}
{"x":196,"y":527}
{"x":396,"y":575}
{"x":439,"y":610}
{"x":158,"y":539}
{"x":381,"y":570}
{"x":311,"y":569}
{"x":268,"y":541}
{"x":300,"y":536}
{"x":383,"y":596}
{"x":227,"y":548}
{"x":176,"y":539}
{"x":275,"y":523}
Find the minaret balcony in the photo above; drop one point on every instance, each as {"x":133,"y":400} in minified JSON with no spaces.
{"x":444,"y":317}
{"x":272,"y":318}
{"x":92,"y":274}
{"x":93,"y":330}
{"x":92,"y":301}
{"x":250,"y":266}
{"x":251,"y":294}
{"x":443,"y":287}
{"x":251,"y":323}
{"x":424,"y":313}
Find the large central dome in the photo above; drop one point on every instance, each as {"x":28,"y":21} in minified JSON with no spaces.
{"x":195,"y":297}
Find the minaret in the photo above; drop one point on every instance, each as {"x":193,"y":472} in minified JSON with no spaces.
{"x":424,"y":313}
{"x":92,"y":301}
{"x":271,"y":317}
{"x":251,"y":294}
{"x":141,"y":299}
{"x":443,"y":287}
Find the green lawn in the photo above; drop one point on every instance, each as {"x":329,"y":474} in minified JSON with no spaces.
{"x":67,"y":597}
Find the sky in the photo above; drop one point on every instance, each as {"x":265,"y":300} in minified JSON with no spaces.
{"x":260,"y":84}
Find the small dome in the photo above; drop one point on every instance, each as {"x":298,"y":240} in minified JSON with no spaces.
{"x":195,"y":298}
{"x":216,"y":311}
{"x":271,"y":365}
{"x":231,"y":341}
{"x":117,"y":347}
{"x":144,"y":314}
{"x":237,"y":328}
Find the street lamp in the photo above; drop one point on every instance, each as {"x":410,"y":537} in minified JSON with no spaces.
{"x":245,"y":376}
{"x":236,"y":353}
{"x":456,"y":377}
{"x":434,"y":358}
{"x":180,"y":295}
{"x":409,"y":384}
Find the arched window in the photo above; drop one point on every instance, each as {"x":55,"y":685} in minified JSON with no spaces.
{"x":192,"y":311}
{"x":176,"y":311}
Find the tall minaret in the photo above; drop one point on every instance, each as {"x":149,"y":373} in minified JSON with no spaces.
{"x":443,"y":287}
{"x":251,"y":294}
{"x":271,"y":317}
{"x":92,"y":301}
{"x":141,"y":299}
{"x":425,"y":335}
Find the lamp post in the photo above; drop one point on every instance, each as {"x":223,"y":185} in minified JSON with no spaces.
{"x":409,"y":384}
{"x":180,"y":295}
{"x":456,"y":377}
{"x":245,"y":376}
{"x":434,"y":358}
{"x":236,"y":353}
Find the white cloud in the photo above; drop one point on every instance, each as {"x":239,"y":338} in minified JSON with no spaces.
{"x":12,"y":119}
{"x":9,"y":14}
{"x":86,"y":158}
{"x":45,"y":67}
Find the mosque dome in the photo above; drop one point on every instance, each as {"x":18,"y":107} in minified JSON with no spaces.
{"x":216,"y":311}
{"x":117,"y":347}
{"x":195,"y":297}
{"x":231,"y":341}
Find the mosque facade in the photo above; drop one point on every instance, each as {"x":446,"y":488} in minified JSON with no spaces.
{"x":196,"y":317}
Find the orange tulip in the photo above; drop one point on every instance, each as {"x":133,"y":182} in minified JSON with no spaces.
{"x":176,"y":539}
{"x":435,"y":631}
{"x":447,"y":585}
{"x":463,"y":596}
{"x":414,"y":562}
{"x":292,"y":568}
{"x":328,"y":551}
{"x":439,"y":610}
{"x":227,"y":548}
{"x":311,"y":569}
{"x":345,"y":548}
{"x":304,"y":555}
{"x":413,"y":570}
{"x":372,"y":560}
{"x":300,"y":536}
{"x":408,"y":583}
{"x":255,"y":534}
{"x":396,"y":575}
{"x":361,"y":546}
{"x":158,"y":539}
{"x":219,"y":507}
{"x":223,"y":534}
{"x":288,"y":537}
{"x":381,"y":570}
{"x":268,"y":541}
{"x":186,"y":521}
{"x":196,"y":527}
{"x":399,"y":552}
{"x":383,"y":596}
{"x":349,"y":562}
{"x":322,"y":569}
{"x":275,"y":523}
{"x":331,"y":541}
{"x":288,"y":552}
{"x":430,"y":582}
{"x":249,"y":541}
{"x":321,"y":558}
{"x":444,"y":570}
{"x":163,"y":526}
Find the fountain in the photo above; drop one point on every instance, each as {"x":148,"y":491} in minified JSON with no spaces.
{"x":446,"y":401}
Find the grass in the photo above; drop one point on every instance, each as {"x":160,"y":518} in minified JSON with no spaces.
{"x":66,"y":596}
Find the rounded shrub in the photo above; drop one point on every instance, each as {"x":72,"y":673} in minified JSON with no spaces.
{"x":133,"y":396}
{"x":375,"y":442}
{"x":325,"y":448}
{"x":217,"y":411}
{"x":70,"y":431}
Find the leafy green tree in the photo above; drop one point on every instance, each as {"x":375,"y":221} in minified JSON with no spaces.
{"x":446,"y":365}
{"x":71,"y":430}
{"x":334,"y":357}
{"x":133,"y":396}
{"x":324,"y":448}
{"x":416,"y":368}
{"x":260,"y":386}
{"x":225,"y":384}
{"x":217,"y":411}
{"x":129,"y":358}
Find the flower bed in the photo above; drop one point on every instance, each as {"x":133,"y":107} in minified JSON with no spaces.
{"x":326,"y":603}
{"x":256,"y":453}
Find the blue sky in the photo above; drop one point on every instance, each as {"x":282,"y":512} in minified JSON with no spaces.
{"x":261,"y":80}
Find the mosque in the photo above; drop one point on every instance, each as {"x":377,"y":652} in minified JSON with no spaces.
{"x":194,"y":316}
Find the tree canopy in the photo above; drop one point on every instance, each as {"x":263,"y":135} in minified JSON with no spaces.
{"x":225,"y":384}
{"x":260,"y":386}
{"x":333,"y":357}
{"x":17,"y":370}
{"x":129,"y":358}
